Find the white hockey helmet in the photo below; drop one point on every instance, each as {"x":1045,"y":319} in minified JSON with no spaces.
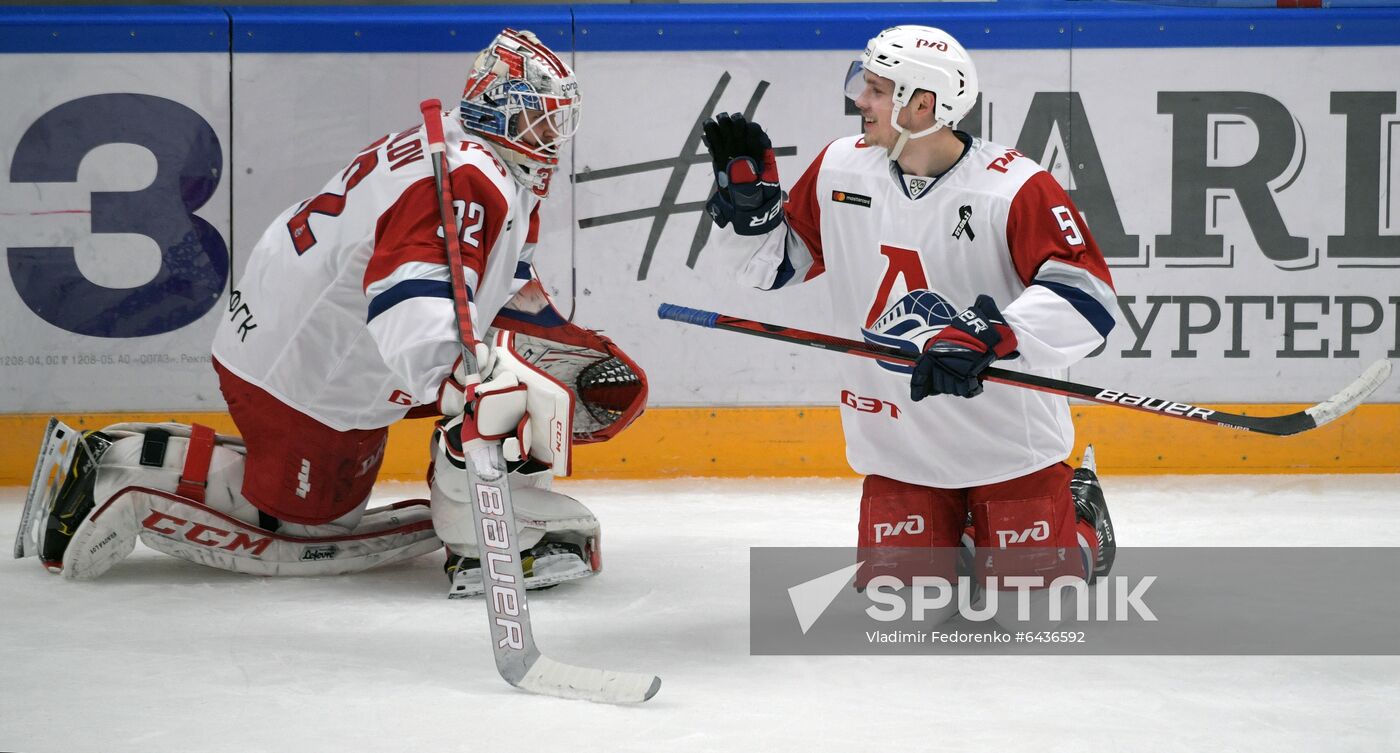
{"x":518,"y":74}
{"x":914,"y":58}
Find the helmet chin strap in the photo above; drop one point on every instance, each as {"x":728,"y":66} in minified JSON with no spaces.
{"x":906,"y":136}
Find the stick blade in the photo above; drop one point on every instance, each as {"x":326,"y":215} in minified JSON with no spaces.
{"x":1352,"y":395}
{"x":549,"y":677}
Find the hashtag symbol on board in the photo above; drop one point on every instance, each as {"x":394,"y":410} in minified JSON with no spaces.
{"x":692,"y":153}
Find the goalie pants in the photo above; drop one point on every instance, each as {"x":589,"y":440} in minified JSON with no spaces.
{"x":1025,"y":526}
{"x":298,"y":469}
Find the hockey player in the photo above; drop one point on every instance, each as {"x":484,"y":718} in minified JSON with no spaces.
{"x":349,"y":326}
{"x":956,"y":248}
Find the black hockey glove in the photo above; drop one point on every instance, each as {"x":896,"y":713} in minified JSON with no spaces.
{"x":746,"y":176}
{"x":954,"y":357}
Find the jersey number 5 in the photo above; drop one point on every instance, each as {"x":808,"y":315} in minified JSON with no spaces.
{"x":1068,"y":225}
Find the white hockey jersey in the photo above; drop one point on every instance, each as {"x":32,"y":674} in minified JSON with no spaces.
{"x":995,"y":223}
{"x":344,"y":310}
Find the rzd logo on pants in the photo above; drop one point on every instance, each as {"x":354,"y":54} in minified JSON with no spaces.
{"x":914,"y":524}
{"x":1038,"y":532}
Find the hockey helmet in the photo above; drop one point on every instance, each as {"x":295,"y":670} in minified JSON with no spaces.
{"x":914,"y":58}
{"x":524,"y":99}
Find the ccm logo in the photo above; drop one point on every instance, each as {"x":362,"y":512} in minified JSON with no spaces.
{"x":939,"y":44}
{"x":199,"y":533}
{"x":1154,"y":404}
{"x":558,"y":432}
{"x":868,"y":404}
{"x":914,"y":524}
{"x":1038,"y":532}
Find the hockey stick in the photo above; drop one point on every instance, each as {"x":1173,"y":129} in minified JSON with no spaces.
{"x":1293,"y":423}
{"x":518,"y":659}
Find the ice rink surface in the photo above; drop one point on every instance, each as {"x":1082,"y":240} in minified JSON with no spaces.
{"x":163,"y":655}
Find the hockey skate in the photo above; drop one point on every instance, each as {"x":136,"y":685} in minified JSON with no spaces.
{"x":1089,"y":505}
{"x":546,"y":564}
{"x":60,"y":493}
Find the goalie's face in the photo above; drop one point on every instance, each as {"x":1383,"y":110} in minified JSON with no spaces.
{"x":546,"y":131}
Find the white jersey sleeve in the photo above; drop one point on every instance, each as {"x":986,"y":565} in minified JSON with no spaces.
{"x":350,"y":289}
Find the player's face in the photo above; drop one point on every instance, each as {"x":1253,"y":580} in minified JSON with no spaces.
{"x":875,"y":102}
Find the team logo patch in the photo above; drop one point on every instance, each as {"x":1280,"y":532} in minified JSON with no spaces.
{"x":964,"y":216}
{"x":842,"y":197}
{"x":908,"y":324}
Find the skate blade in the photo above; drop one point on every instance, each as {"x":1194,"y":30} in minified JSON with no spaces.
{"x":56,"y":454}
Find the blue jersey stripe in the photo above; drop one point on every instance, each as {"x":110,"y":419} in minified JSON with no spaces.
{"x":410,"y":289}
{"x":1085,"y":304}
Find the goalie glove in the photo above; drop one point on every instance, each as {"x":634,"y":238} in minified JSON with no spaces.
{"x":747,"y":193}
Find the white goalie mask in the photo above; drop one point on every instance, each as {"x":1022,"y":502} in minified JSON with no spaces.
{"x":521,"y":97}
{"x":914,"y":58}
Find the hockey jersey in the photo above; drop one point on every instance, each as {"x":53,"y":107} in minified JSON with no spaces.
{"x":345,"y":309}
{"x":995,"y":223}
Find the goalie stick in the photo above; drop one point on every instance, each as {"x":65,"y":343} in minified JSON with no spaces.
{"x":1293,"y":423}
{"x":517,"y":657}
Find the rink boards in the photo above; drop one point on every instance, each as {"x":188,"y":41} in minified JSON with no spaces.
{"x":1235,"y":166}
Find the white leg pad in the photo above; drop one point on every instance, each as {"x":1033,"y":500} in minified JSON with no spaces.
{"x":537,"y":512}
{"x":192,"y":531}
{"x":139,"y":501}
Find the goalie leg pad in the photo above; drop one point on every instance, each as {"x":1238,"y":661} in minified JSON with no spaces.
{"x":195,"y":532}
{"x":136,"y":493}
{"x":559,"y":537}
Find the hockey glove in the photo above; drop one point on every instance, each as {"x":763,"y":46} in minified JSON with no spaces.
{"x":477,"y":413}
{"x":746,"y":176}
{"x":953,"y":359}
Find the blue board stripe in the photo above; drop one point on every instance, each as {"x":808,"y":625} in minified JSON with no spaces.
{"x":1033,"y":24}
{"x":116,"y":29}
{"x":393,"y":28}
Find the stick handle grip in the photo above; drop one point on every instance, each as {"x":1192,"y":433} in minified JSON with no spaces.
{"x":688,"y":315}
{"x":432,"y":120}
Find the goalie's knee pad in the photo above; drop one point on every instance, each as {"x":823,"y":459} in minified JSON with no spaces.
{"x":559,"y":540}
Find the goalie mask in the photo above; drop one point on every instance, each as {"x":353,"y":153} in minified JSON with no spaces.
{"x":521,"y":97}
{"x":919,"y":58}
